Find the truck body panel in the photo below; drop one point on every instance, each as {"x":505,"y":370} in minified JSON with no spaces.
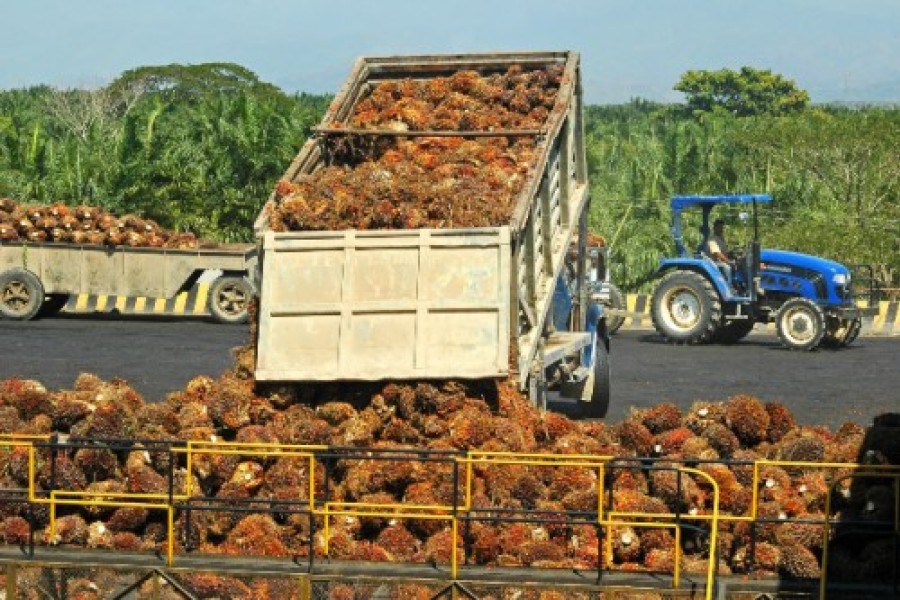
{"x":354,"y":305}
{"x":120,"y":270}
{"x":550,"y":207}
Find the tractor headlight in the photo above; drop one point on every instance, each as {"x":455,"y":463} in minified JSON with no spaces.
{"x":841,"y":279}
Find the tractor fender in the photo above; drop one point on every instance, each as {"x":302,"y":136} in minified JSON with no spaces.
{"x":703,"y":266}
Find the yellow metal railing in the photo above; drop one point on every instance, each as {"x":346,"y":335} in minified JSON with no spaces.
{"x":464,"y":465}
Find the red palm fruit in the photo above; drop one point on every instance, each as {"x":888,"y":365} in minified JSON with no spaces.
{"x":552,"y":426}
{"x":126,"y":541}
{"x":626,"y":545}
{"x":210,"y":585}
{"x":747,"y":418}
{"x":657,"y":538}
{"x":744,"y":472}
{"x":360,"y":430}
{"x":9,"y":420}
{"x":670,"y":441}
{"x":781,"y":421}
{"x":70,"y":529}
{"x":142,"y":479}
{"x":659,"y":560}
{"x":14,"y":530}
{"x":660,"y":418}
{"x":398,"y":542}
{"x":702,"y":414}
{"x":97,"y":463}
{"x":798,"y":562}
{"x":695,"y":447}
{"x":99,"y":536}
{"x":256,"y":535}
{"x":635,"y":437}
{"x":335,"y":413}
{"x":439,"y":546}
{"x":721,"y":439}
{"x":541,"y":551}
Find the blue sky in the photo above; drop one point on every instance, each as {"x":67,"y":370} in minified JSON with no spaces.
{"x":836,"y":49}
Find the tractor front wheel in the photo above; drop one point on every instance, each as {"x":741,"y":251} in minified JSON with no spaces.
{"x":686,"y":308}
{"x":800,"y":324}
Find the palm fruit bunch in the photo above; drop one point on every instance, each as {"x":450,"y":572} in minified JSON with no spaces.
{"x":394,"y":422}
{"x":391,"y":182}
{"x":84,"y":225}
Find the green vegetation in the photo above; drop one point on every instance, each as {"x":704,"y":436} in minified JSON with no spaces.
{"x":741,"y":93}
{"x":199,"y":148}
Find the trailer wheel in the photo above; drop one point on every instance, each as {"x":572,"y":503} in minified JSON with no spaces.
{"x":685,"y":308}
{"x":599,"y":404}
{"x":801,"y":324}
{"x":616,"y":301}
{"x":229,"y":299}
{"x":21,"y":295}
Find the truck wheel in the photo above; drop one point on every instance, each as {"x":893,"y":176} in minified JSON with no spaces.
{"x":599,"y":404}
{"x":229,"y":299}
{"x":685,"y":308}
{"x":616,"y":301}
{"x":21,"y":295}
{"x":734,"y":331}
{"x":801,"y":324}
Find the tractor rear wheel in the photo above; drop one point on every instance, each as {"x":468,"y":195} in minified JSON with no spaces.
{"x":800,"y":324}
{"x":686,"y":308}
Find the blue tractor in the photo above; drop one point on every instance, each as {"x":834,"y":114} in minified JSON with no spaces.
{"x":698,"y":300}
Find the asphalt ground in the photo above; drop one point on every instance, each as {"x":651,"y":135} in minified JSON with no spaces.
{"x":159,"y":355}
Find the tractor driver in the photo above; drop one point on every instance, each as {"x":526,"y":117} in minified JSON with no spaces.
{"x":717,"y":249}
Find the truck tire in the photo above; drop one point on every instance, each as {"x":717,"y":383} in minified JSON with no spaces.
{"x":685,"y":308}
{"x":21,"y":295}
{"x":599,"y":404}
{"x":800,"y":324}
{"x":229,"y":299}
{"x":731,"y":332}
{"x":616,"y":301}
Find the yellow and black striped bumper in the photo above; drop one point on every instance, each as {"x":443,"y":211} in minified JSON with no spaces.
{"x":190,"y":303}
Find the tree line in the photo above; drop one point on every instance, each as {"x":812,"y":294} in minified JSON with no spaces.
{"x":198,"y":148}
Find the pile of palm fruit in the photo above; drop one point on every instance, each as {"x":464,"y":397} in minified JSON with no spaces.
{"x":407,"y":182}
{"x":452,"y":416}
{"x":84,"y":225}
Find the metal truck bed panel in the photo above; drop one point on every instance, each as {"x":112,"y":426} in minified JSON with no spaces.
{"x":366,"y":305}
{"x":546,"y":214}
{"x":121,"y":271}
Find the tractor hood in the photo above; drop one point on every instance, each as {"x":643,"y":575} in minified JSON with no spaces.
{"x":785,"y":258}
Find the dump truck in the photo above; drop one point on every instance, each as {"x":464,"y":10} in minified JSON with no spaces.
{"x":444,"y":303}
{"x":38,"y":278}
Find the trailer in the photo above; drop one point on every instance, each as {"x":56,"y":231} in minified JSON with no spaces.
{"x":38,"y":278}
{"x":433,"y":303}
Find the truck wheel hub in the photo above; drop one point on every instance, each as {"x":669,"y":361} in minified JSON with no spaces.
{"x":15,"y":295}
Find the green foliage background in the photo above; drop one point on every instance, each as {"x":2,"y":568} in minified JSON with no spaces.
{"x":199,"y":148}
